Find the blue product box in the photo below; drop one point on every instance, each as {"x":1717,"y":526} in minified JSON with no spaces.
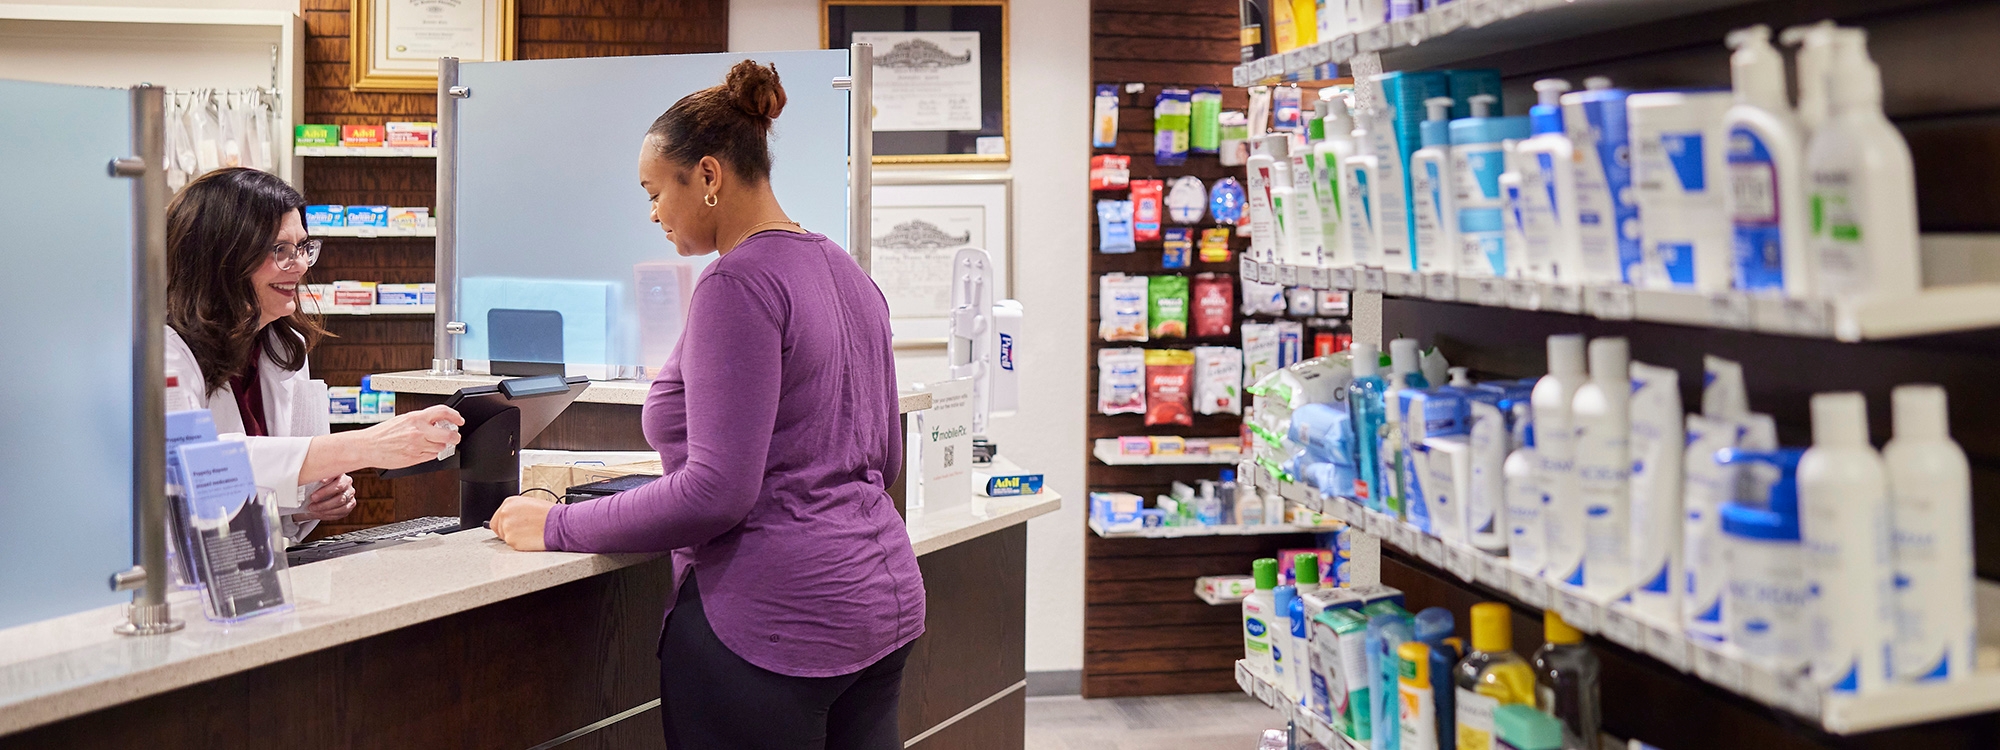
{"x":326,"y":216}
{"x":368,"y":216}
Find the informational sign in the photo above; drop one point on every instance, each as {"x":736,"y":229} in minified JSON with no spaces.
{"x":944,"y":439}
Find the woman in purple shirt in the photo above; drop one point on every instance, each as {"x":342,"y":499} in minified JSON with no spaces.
{"x":776,"y":420}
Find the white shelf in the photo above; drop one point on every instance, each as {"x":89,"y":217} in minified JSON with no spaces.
{"x":369,"y":152}
{"x":1106,"y":450}
{"x":1303,"y":721}
{"x":1935,"y":310}
{"x":369,"y":232}
{"x":376,"y":309}
{"x":1176,"y":532}
{"x":358,"y":418}
{"x":1467,"y":29}
{"x":1793,"y":692}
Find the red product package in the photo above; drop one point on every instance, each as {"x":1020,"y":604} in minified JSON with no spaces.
{"x":1146,"y":196}
{"x":1110,"y":171}
{"x":1169,"y":387}
{"x":1214,"y":305}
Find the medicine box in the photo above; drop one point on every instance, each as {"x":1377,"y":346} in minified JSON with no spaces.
{"x":326,"y":216}
{"x":1116,"y":511}
{"x":315,"y":296}
{"x":368,"y":216}
{"x":427,"y":294}
{"x":354,"y":293}
{"x":353,"y":136}
{"x":1226,"y":588}
{"x":399,"y":294}
{"x":316,"y":135}
{"x":408,"y":134}
{"x":343,"y":400}
{"x":409,"y":217}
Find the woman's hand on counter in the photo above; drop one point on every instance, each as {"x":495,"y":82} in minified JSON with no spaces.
{"x":331,"y":502}
{"x":519,"y":522}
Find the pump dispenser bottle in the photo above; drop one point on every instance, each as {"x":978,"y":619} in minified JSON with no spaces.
{"x":1844,"y":523}
{"x":1767,"y":196}
{"x":1602,"y":412}
{"x":1864,"y":193}
{"x":1930,"y":491}
{"x":1328,"y":156}
{"x":1260,"y":617}
{"x":1812,"y":61}
{"x":1284,"y":200}
{"x":1555,"y":445}
{"x":1404,"y":373}
{"x":1526,"y":537}
{"x":1548,"y":191}
{"x":1434,"y":197}
{"x":1566,"y":682}
{"x":1362,"y":198}
{"x":1309,"y":228}
{"x":1490,"y":677}
{"x":1364,"y":400}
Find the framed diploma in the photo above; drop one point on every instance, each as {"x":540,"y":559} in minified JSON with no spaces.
{"x":919,"y":221}
{"x":940,"y":75}
{"x":395,"y":44}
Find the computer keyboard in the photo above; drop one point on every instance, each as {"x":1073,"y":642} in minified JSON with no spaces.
{"x":389,"y":535}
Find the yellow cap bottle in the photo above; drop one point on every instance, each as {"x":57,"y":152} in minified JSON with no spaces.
{"x":1492,"y":627}
{"x":1489,"y":677}
{"x":1556,"y":631}
{"x":1416,"y":710}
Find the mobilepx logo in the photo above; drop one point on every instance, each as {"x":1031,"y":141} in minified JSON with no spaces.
{"x":1256,"y":627}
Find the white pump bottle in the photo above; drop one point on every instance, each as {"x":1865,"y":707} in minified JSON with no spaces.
{"x":1548,"y":192}
{"x":1845,"y":527}
{"x":1361,"y":187}
{"x":1329,"y":156}
{"x":1930,"y":496}
{"x":1766,"y":200}
{"x":1555,"y":446}
{"x":1434,"y":192}
{"x":1602,"y":413}
{"x":1863,"y":186}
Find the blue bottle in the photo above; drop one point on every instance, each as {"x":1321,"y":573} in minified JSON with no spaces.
{"x":1386,"y":632}
{"x":1434,"y":627}
{"x":1364,"y":400}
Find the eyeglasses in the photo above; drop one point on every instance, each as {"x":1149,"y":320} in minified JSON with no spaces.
{"x":287,"y":256}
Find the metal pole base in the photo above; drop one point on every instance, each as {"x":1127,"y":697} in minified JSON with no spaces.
{"x":148,"y":619}
{"x":445,"y":367}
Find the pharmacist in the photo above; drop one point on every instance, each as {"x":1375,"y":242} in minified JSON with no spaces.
{"x":237,"y":343}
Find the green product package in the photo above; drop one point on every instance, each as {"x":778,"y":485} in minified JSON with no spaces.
{"x":1347,"y":665}
{"x":316,"y":135}
{"x":1205,"y":123}
{"x":1167,"y":306}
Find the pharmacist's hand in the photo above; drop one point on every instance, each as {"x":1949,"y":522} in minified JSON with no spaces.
{"x":331,"y":502}
{"x":413,"y":438}
{"x":520,"y":521}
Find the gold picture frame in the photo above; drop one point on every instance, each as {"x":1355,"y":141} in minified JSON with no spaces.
{"x":367,"y":73}
{"x":887,"y":153}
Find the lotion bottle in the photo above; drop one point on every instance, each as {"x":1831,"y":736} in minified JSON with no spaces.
{"x":1364,"y":400}
{"x":1259,"y":617}
{"x":1863,"y":186}
{"x":1434,"y":192}
{"x":1363,"y":198}
{"x":1526,"y":537}
{"x":1555,"y":436}
{"x":1765,"y":606}
{"x":1930,"y":495}
{"x":1328,"y":155}
{"x":1284,"y":207}
{"x":1310,"y":250}
{"x":1257,"y":196}
{"x":1288,"y":660}
{"x":1767,"y":195}
{"x":1416,"y":714}
{"x":1602,"y":413}
{"x":1844,"y":524}
{"x":1548,"y":191}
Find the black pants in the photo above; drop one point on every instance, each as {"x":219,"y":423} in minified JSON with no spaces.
{"x":711,"y":699}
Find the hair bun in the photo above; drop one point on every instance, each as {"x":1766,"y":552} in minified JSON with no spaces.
{"x":755,"y":89}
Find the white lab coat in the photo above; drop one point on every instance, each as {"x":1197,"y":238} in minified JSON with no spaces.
{"x":295,"y":408}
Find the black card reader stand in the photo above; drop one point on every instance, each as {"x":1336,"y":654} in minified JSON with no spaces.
{"x":499,"y":419}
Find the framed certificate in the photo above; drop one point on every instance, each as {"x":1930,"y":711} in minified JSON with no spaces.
{"x":919,"y":220}
{"x":940,"y":75}
{"x":395,"y":44}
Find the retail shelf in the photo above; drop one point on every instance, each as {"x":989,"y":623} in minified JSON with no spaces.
{"x":358,"y":418}
{"x":1176,"y":532}
{"x":1935,"y":310}
{"x":1721,"y":665}
{"x":1304,"y":722}
{"x":368,"y":232}
{"x":1217,"y":601}
{"x":1466,"y":29}
{"x":376,"y":309}
{"x":1106,"y":450}
{"x":372,"y":152}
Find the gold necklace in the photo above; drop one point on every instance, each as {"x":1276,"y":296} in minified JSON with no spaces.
{"x":754,"y":229}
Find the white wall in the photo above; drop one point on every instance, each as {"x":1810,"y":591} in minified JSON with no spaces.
{"x":1050,"y":80}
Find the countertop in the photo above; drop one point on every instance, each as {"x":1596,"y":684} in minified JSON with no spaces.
{"x":629,"y":392}
{"x":73,"y":665}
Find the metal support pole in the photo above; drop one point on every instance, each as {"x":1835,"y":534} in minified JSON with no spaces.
{"x":444,"y":360}
{"x":148,"y":613}
{"x":861,"y":151}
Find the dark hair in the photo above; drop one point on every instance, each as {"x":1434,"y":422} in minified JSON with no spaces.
{"x":220,"y":229}
{"x":731,"y":122}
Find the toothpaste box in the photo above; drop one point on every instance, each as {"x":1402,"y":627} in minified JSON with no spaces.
{"x":409,"y":217}
{"x":326,"y":216}
{"x":353,"y":136}
{"x":315,"y":135}
{"x":399,"y":294}
{"x":409,"y":134}
{"x":368,"y":216}
{"x":354,"y":293}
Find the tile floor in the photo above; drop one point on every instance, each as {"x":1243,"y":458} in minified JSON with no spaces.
{"x":1215,"y":721}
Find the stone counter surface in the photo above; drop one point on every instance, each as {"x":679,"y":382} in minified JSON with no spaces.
{"x":629,"y":392}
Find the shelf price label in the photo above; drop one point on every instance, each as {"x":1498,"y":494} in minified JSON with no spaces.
{"x":1342,"y":278}
{"x":1578,"y":611}
{"x":1729,"y":310}
{"x":1493,"y":572}
{"x":1717,"y":668}
{"x":1377,"y":39}
{"x":1430,"y":549}
{"x":1441,"y":286}
{"x":1244,"y":680}
{"x":1462,"y":562}
{"x":1239,"y":76}
{"x":1481,"y":12}
{"x":1670,"y":647}
{"x":1523,"y":294}
{"x":1267,"y":272}
{"x":1491,"y":292}
{"x":1809,"y":317}
{"x":1447,"y":18}
{"x":1288,"y":274}
{"x":1317,"y":277}
{"x":1294,"y":491}
{"x":1531,"y":590}
{"x":1623,"y":629}
{"x":1612,"y":302}
{"x":1344,"y":48}
{"x":1411,"y":31}
{"x":1246,"y":268}
{"x":1566,"y":298}
{"x":1373,"y":280}
{"x":1512,"y":8}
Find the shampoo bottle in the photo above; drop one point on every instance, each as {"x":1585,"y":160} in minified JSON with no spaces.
{"x":1416,"y":714}
{"x":1864,"y":192}
{"x":1602,"y":412}
{"x":1287,"y":660}
{"x":1548,"y":191}
{"x":1526,"y":538}
{"x":1490,"y":677}
{"x":1555,"y":436}
{"x":1328,"y":156}
{"x":1765,"y":606}
{"x":1566,"y":682}
{"x":1655,"y":445}
{"x":1930,"y":491}
{"x":1434,"y":628}
{"x":1844,"y":522}
{"x":1433,"y":192}
{"x":1259,"y":616}
{"x":1767,"y":195}
{"x":1364,"y":400}
{"x":1362,"y":196}
{"x":1306,"y":566}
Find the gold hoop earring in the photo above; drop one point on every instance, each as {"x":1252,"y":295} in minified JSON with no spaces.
{"x":708,"y":200}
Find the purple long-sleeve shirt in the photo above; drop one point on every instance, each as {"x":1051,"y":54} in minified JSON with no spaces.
{"x":776,"y":421}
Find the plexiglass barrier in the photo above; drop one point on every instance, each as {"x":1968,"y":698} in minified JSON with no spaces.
{"x":557,"y":260}
{"x":66,"y":407}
